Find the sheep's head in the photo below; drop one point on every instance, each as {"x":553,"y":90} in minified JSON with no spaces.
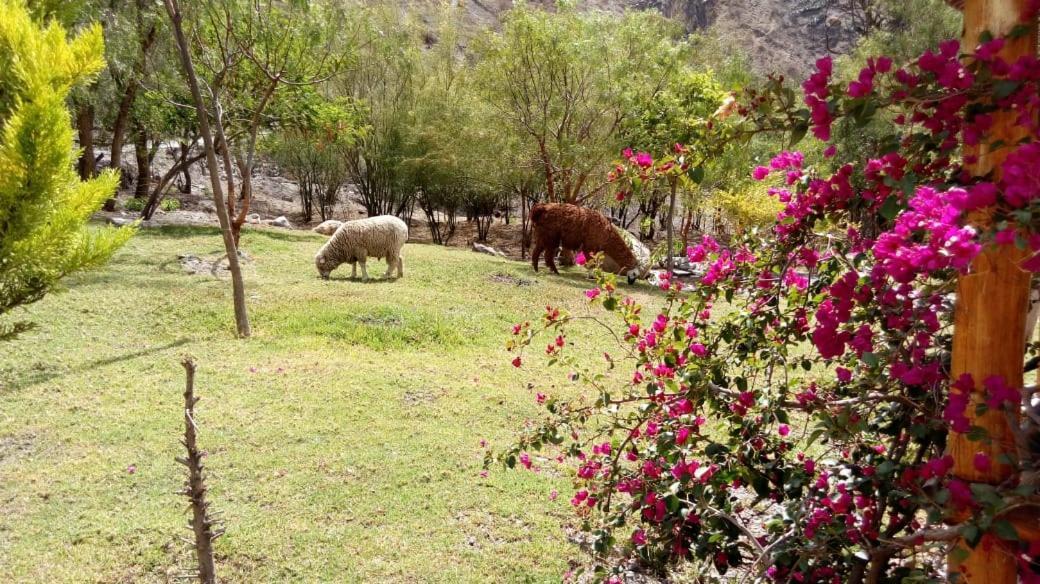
{"x":324,"y":266}
{"x":633,"y":275}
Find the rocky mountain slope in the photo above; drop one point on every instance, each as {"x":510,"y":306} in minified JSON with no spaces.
{"x":783,"y":36}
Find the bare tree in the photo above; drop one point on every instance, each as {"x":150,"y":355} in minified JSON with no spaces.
{"x":201,"y":111}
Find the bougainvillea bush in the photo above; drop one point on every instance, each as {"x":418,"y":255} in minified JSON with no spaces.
{"x":786,"y":418}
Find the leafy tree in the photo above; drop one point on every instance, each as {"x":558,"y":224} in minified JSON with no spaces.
{"x":564,"y":81}
{"x":313,"y":148}
{"x":44,"y":207}
{"x":383,"y":79}
{"x":678,"y":114}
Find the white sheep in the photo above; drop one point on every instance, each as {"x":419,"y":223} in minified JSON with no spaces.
{"x":356,"y":241}
{"x":327,"y":227}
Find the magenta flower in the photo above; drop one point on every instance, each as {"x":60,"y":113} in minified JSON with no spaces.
{"x":644,"y":160}
{"x":760,"y":173}
{"x":844,"y":375}
{"x":580,"y":259}
{"x":784,"y":430}
{"x":981,"y":462}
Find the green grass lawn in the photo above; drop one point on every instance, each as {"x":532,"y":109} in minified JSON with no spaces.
{"x":343,"y":437}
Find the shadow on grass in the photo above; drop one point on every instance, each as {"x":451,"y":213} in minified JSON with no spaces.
{"x":42,"y":376}
{"x":371,"y":280}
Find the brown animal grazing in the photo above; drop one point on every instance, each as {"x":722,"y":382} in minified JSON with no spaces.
{"x":576,"y":228}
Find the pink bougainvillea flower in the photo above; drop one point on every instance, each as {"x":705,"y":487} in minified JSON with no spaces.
{"x":783,"y":430}
{"x":760,"y":173}
{"x":580,"y":259}
{"x":981,"y":462}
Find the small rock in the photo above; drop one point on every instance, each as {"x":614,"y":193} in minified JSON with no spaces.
{"x":119,"y":221}
{"x":208,"y":206}
{"x":253,"y":218}
{"x":328,"y":227}
{"x":281,"y":221}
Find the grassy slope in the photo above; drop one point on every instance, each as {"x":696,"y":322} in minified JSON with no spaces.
{"x":343,"y":436}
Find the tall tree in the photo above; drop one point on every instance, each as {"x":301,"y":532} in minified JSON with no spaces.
{"x":205,"y":129}
{"x":383,"y":80}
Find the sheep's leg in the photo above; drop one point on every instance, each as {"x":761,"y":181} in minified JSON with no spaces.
{"x":361,"y":256}
{"x":400,"y":266}
{"x":390,"y":263}
{"x":353,"y":270}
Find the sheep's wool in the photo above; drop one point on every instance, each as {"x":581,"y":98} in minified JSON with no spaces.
{"x":356,"y":241}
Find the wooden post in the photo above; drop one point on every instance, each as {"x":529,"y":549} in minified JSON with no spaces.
{"x":989,"y":320}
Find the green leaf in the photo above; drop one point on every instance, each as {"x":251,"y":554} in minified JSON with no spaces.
{"x":870,"y":359}
{"x":890,"y":208}
{"x":697,"y":174}
{"x":977,"y":433}
{"x":1019,"y":31}
{"x":1004,"y":88}
{"x":798,"y":133}
{"x":1005,"y":530}
{"x":971,"y":534}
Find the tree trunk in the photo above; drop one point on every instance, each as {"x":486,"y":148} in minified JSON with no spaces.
{"x":119,"y":127}
{"x":525,"y":226}
{"x":186,"y":185}
{"x":85,"y":129}
{"x":126,"y":101}
{"x":156,"y":197}
{"x":144,"y":164}
{"x":245,"y":170}
{"x":238,"y":286}
{"x":992,"y":303}
{"x":671,"y":226}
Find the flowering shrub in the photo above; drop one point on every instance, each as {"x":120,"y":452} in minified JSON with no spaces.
{"x":788,"y":416}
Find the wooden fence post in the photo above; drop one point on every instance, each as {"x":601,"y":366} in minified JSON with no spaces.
{"x":992,"y":302}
